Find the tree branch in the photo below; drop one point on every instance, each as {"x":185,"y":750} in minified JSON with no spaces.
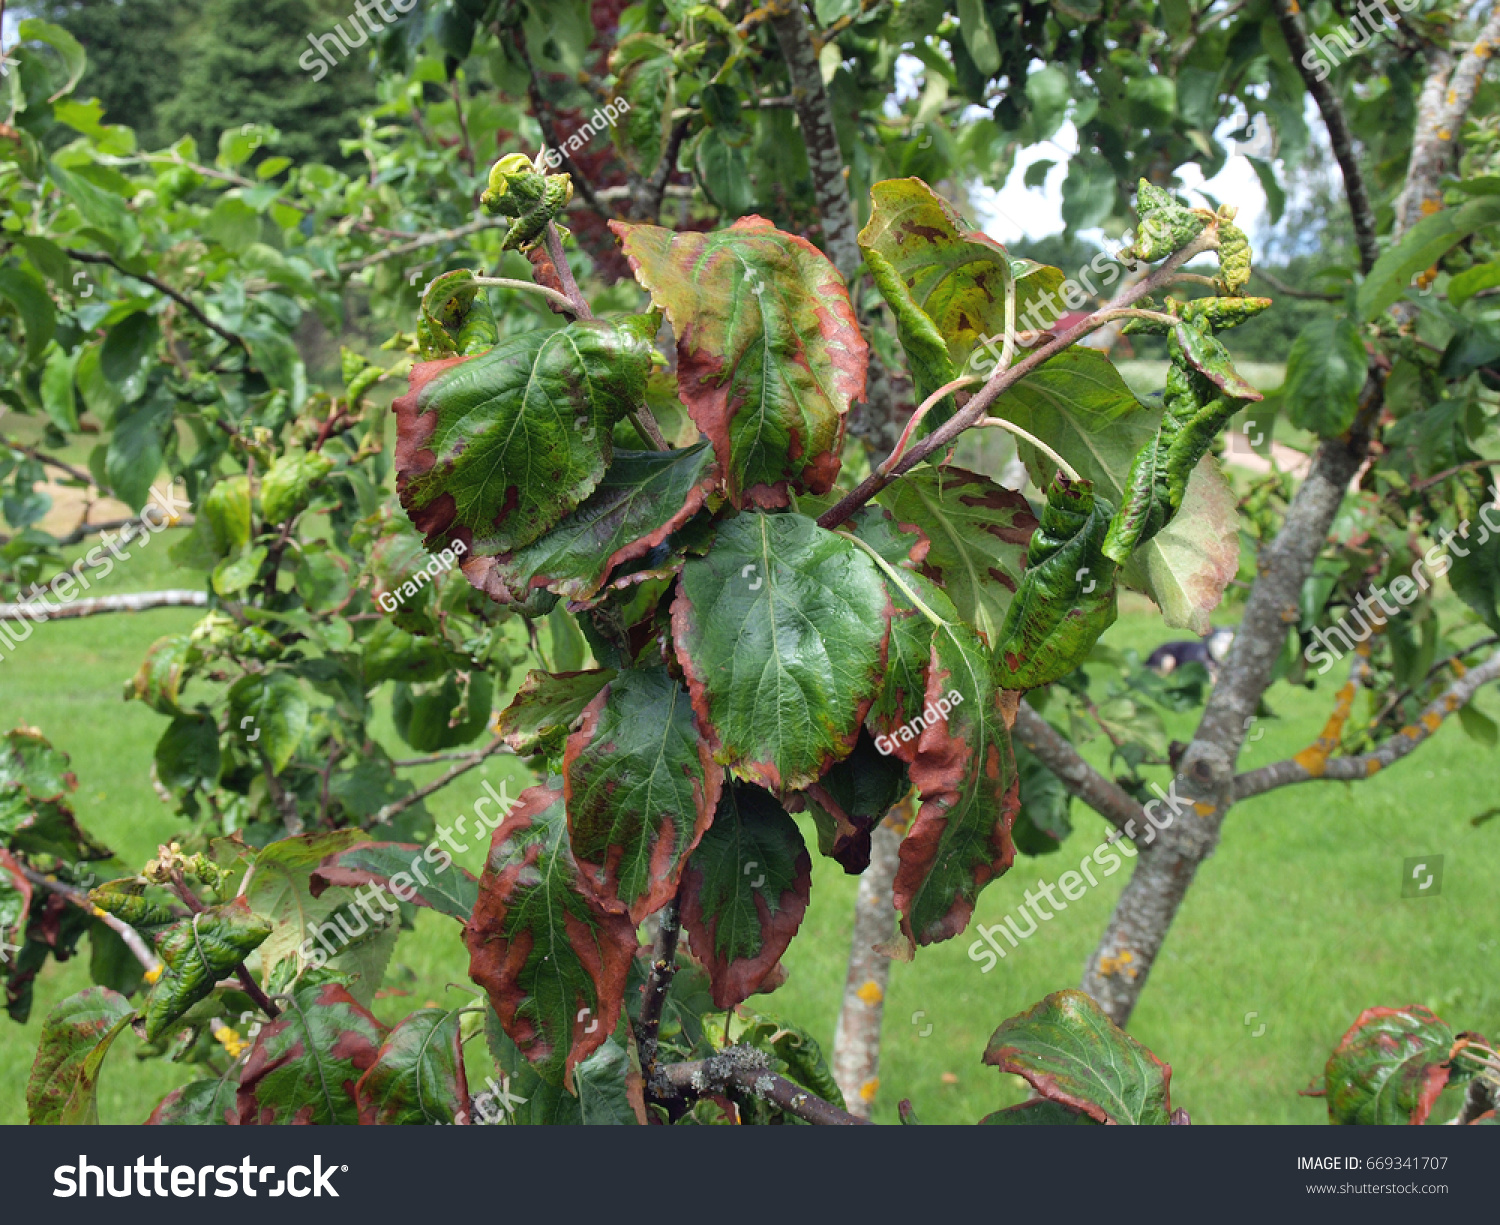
{"x":1306,"y":767}
{"x":137,"y":602}
{"x":1339,"y":135}
{"x":663,"y":967}
{"x":442,"y":780}
{"x":1116,"y":806}
{"x":1002,"y":380}
{"x":420,"y":242}
{"x":192,"y":308}
{"x":748,"y":1070}
{"x":132,"y":938}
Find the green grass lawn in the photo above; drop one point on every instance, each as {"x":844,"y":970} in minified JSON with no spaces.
{"x":1298,"y":919}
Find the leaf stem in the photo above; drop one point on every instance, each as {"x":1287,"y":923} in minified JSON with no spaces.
{"x":922,"y":410}
{"x":504,"y":282}
{"x":895,"y":576}
{"x":577,"y":303}
{"x":1010,"y":427}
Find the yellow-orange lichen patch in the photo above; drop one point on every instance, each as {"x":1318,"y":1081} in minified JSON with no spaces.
{"x":871,"y":993}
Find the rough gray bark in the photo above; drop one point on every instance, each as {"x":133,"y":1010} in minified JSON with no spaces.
{"x":38,"y":611}
{"x":1081,"y":779}
{"x":856,"y":1041}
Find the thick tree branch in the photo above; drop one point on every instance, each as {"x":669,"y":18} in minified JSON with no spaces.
{"x":747,"y":1070}
{"x":1081,"y":779}
{"x":1339,"y":135}
{"x":1306,"y":767}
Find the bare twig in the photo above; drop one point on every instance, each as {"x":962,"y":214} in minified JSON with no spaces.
{"x":747,"y":1069}
{"x":463,"y":766}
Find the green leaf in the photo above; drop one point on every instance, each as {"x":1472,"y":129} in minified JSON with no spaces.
{"x":58,"y":400}
{"x":136,"y":449}
{"x":552,"y":960}
{"x":724,"y":171}
{"x":418,"y":1075}
{"x":270,"y":704}
{"x":1325,"y":371}
{"x":279,"y":888}
{"x":187,"y":755}
{"x":1043,"y":823}
{"x":448,"y":889}
{"x":74,"y":60}
{"x":963,"y":769}
{"x":641,"y":788}
{"x":233,"y":224}
{"x":125,"y":900}
{"x":781,"y":633}
{"x":1475,"y":577}
{"x":162,"y":673}
{"x":494,"y":450}
{"x":1390,"y":1067}
{"x":288,"y":486}
{"x":442,"y":714}
{"x":979,"y":36}
{"x":1472,"y":281}
{"x":1072,"y":1054}
{"x":127,"y":352}
{"x":1067,"y":598}
{"x":745,"y":891}
{"x":977,"y":533}
{"x":196,"y":954}
{"x":1039,"y":1113}
{"x":26,"y":292}
{"x":305,"y":1065}
{"x":1419,"y":249}
{"x":644,"y":497}
{"x":1048,"y":90}
{"x":546,"y":706}
{"x":76,"y":1036}
{"x":769,"y":352}
{"x":645,"y":82}
{"x":606,"y":1095}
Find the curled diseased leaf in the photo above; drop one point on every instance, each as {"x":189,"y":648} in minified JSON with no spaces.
{"x":306,"y":1065}
{"x":1073,"y":1054}
{"x":125,"y":900}
{"x":769,"y":352}
{"x":553,"y":961}
{"x":1165,"y":226}
{"x":547,"y":706}
{"x":641,"y":788}
{"x":494,"y":450}
{"x":1390,"y":1067}
{"x":456,"y":319}
{"x":1203,"y":391}
{"x":1067,"y":598}
{"x":781,"y":632}
{"x":196,"y":954}
{"x":745,"y":891}
{"x":516,"y":189}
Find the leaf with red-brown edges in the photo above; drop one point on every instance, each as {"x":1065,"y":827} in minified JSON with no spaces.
{"x":76,"y":1036}
{"x":418,"y":1077}
{"x":553,"y":961}
{"x":769,"y":352}
{"x":494,"y":450}
{"x":745,"y":891}
{"x":306,"y":1064}
{"x":201,"y":1103}
{"x":1070,"y":1052}
{"x":546,"y":707}
{"x":1390,"y":1067}
{"x":15,"y":903}
{"x":644,"y":497}
{"x":641,"y":788}
{"x":964,"y":770}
